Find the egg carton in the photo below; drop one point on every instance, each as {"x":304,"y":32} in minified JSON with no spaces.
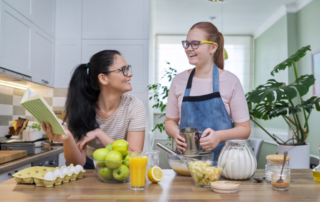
{"x":47,"y":176}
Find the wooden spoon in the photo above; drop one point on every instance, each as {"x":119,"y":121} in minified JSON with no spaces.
{"x":284,"y":160}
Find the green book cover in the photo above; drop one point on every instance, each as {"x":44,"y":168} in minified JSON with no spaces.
{"x":39,"y":108}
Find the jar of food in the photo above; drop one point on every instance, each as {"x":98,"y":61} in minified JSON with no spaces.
{"x":241,"y":163}
{"x":274,"y":162}
{"x":280,"y":181}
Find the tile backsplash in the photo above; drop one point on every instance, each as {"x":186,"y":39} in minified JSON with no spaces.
{"x":10,"y":108}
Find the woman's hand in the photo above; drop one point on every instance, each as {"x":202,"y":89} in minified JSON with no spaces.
{"x":209,"y":139}
{"x":94,"y":134}
{"x":56,"y":137}
{"x":180,"y":142}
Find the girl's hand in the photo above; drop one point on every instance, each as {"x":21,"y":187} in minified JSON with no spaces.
{"x":56,"y":137}
{"x":209,"y":139}
{"x":180,"y":143}
{"x":94,"y":134}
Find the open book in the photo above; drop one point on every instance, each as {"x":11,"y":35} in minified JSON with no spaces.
{"x":39,"y":108}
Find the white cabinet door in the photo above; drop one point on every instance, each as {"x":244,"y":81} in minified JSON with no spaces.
{"x":44,"y":15}
{"x":42,"y":57}
{"x":68,"y":19}
{"x":15,"y":41}
{"x":24,"y":7}
{"x":67,"y":57}
{"x":120,"y":19}
{"x":8,"y":175}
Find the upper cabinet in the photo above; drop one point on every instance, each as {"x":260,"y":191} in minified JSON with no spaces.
{"x":120,"y":19}
{"x":40,"y":12}
{"x":25,"y":47}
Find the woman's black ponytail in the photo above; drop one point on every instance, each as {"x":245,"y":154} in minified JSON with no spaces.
{"x":83,"y":93}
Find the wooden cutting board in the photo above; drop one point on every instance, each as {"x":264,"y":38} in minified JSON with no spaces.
{"x":6,"y":156}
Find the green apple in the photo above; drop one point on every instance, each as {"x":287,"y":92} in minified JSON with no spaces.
{"x":106,"y":173}
{"x":121,"y":146}
{"x":121,"y":173}
{"x":109,"y":147}
{"x":126,"y":160}
{"x":100,"y":154}
{"x":113,"y":159}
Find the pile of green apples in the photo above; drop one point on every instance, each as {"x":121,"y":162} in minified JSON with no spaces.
{"x":113,"y":160}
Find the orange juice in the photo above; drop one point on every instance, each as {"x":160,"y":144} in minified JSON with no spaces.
{"x":138,"y":169}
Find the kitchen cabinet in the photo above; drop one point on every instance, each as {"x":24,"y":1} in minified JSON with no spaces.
{"x":25,"y":48}
{"x":8,"y":175}
{"x":40,"y":12}
{"x":121,"y":19}
{"x":42,"y":57}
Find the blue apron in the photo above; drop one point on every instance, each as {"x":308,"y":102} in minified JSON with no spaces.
{"x":205,"y":111}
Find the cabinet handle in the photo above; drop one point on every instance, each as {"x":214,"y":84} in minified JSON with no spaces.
{"x":52,"y":163}
{"x":45,"y":82}
{"x":10,"y":175}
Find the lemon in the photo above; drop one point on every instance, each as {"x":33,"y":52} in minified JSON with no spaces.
{"x":155,"y":174}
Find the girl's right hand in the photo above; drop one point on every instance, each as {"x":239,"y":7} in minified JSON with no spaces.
{"x":180,"y":143}
{"x":56,"y":137}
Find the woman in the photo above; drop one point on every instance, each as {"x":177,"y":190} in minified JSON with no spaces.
{"x":207,"y":96}
{"x":98,"y":111}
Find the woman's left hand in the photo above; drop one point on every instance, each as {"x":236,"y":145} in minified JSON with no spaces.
{"x":89,"y":136}
{"x":209,"y":139}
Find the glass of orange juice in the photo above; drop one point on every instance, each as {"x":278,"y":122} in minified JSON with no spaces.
{"x":138,"y":168}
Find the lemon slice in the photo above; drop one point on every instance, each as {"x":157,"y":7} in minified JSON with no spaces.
{"x":155,"y":174}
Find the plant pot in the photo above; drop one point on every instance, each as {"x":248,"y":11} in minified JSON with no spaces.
{"x":33,"y":135}
{"x":299,"y":155}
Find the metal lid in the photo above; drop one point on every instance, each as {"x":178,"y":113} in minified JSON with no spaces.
{"x":17,"y":144}
{"x":11,"y":140}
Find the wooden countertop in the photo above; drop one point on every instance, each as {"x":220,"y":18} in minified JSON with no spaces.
{"x":172,"y":188}
{"x":28,"y":159}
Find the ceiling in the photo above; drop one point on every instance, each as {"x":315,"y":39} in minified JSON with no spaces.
{"x":239,"y":17}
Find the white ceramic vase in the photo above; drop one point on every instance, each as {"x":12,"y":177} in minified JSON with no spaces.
{"x":299,"y":155}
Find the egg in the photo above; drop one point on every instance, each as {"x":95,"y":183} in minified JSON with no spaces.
{"x":49,"y":176}
{"x":73,"y":169}
{"x":58,"y":173}
{"x":66,"y":171}
{"x":79,"y":168}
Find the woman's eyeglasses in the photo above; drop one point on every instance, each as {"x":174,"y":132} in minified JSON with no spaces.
{"x":125,"y":70}
{"x":194,"y":44}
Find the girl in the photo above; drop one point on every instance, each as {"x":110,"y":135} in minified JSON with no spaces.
{"x":98,"y":111}
{"x":207,"y":96}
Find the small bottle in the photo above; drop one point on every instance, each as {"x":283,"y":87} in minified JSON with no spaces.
{"x":280,"y":181}
{"x":316,"y":171}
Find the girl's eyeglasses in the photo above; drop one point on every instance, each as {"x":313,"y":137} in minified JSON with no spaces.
{"x":125,"y":70}
{"x":194,"y":44}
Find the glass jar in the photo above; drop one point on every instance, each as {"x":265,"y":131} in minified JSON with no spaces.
{"x":275,"y":165}
{"x":241,"y":163}
{"x":283,"y":183}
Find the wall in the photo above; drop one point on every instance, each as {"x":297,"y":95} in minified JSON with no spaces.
{"x":308,"y":34}
{"x":282,"y":39}
{"x":11,"y":109}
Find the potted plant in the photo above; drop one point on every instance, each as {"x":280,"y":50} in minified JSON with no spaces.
{"x":34,"y":132}
{"x":278,"y":99}
{"x":159,"y":94}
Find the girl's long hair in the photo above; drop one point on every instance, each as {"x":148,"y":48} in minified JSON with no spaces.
{"x":83,"y":93}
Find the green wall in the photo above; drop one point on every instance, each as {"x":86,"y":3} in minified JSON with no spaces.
{"x":309,"y":34}
{"x":282,"y":39}
{"x":271,"y":49}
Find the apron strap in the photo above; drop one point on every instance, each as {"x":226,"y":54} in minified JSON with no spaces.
{"x":215,"y":78}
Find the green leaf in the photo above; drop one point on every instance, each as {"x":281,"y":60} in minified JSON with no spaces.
{"x":309,"y":104}
{"x":293,"y":58}
{"x":276,"y":91}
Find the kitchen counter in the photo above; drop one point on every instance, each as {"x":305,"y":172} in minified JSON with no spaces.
{"x":28,"y":159}
{"x":172,"y":188}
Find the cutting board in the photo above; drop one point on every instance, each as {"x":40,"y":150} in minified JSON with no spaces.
{"x":6,"y":156}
